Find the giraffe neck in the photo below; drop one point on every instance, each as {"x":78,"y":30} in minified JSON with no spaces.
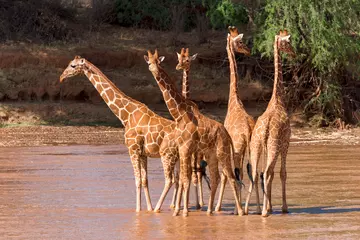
{"x":185,"y":84}
{"x":278,"y":89}
{"x":120,"y":104}
{"x":175,"y":102}
{"x":234,"y":78}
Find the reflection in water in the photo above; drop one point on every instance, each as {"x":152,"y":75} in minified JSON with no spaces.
{"x":88,"y":192}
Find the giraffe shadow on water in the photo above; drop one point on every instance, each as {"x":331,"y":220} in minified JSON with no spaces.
{"x":322,"y":210}
{"x":295,"y":211}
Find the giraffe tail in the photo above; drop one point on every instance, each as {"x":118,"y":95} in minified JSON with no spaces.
{"x":248,"y":166}
{"x":262,"y":170}
{"x":236,"y":169}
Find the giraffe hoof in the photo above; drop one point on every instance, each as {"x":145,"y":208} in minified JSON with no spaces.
{"x":185,"y":214}
{"x":246,"y":212}
{"x":218,"y":209}
{"x":156,"y":210}
{"x":265,"y":214}
{"x":172,"y":206}
{"x":241,"y":213}
{"x":138,"y":210}
{"x":176,"y":213}
{"x":285,"y":210}
{"x":209,"y":213}
{"x":202,"y":204}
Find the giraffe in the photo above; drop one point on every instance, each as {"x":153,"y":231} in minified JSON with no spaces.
{"x":184,"y":63}
{"x":238,"y":122}
{"x":194,"y":132}
{"x":272,"y":132}
{"x":146,"y":133}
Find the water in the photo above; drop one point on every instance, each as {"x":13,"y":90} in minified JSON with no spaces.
{"x":88,"y":192}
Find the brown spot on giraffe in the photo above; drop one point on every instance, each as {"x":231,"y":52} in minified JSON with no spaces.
{"x":216,"y":146}
{"x":144,"y":130}
{"x":271,"y":134}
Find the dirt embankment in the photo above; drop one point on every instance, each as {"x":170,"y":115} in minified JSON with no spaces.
{"x":30,"y":72}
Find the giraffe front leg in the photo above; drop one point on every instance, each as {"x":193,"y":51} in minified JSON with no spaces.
{"x":136,"y":165}
{"x":176,"y":183}
{"x":144,"y":181}
{"x":168,"y":167}
{"x":195,"y":167}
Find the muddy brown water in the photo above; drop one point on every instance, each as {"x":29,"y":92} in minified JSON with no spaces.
{"x":88,"y":192}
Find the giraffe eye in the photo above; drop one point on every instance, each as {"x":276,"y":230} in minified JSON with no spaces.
{"x":73,"y":66}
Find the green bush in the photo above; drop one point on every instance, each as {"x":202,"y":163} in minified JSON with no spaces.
{"x":325,"y":35}
{"x":224,"y":13}
{"x":157,"y":14}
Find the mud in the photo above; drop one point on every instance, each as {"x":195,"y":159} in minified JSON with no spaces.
{"x":88,"y":192}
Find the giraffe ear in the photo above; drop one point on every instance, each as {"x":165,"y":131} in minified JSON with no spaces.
{"x":240,"y":36}
{"x":193,"y":57}
{"x":178,"y":55}
{"x":161,"y":58}
{"x":146,"y":59}
{"x":286,"y":38}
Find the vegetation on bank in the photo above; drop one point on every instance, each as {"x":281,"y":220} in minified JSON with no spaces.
{"x":322,"y":80}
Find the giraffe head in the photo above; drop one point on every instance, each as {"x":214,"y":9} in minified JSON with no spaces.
{"x":184,"y":59}
{"x":74,"y":68}
{"x":154,"y":61}
{"x":284,"y":43}
{"x":236,"y":40}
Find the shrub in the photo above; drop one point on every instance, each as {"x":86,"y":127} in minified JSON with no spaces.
{"x":158,"y":14}
{"x":224,"y":13}
{"x":325,"y":36}
{"x":39,"y":20}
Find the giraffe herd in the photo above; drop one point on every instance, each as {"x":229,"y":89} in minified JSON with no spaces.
{"x":191,"y":139}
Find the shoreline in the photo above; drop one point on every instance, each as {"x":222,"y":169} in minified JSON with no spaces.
{"x":40,"y":135}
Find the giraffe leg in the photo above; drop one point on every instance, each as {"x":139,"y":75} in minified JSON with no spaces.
{"x":254,"y":160}
{"x":144,"y":181}
{"x":178,"y":198}
{"x":269,"y":170}
{"x":232,"y":181}
{"x":186,"y":191}
{"x":214,"y":181}
{"x":168,"y":167}
{"x":200,"y":157}
{"x":256,"y":183}
{"x":185,"y":177}
{"x":136,"y":165}
{"x":269,"y":206}
{"x":283,"y":176}
{"x":201,"y":195}
{"x":176,"y":183}
{"x":221,"y":193}
{"x":195,"y":180}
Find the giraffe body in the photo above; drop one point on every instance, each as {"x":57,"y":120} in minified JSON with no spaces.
{"x":146,"y":133}
{"x":271,"y":134}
